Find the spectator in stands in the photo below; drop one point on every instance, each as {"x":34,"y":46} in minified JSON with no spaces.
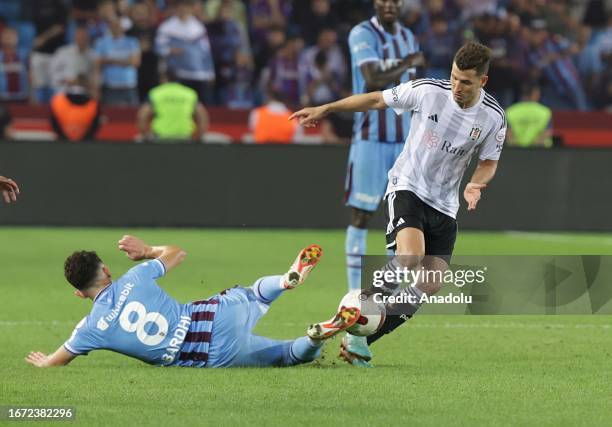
{"x":551,"y":61}
{"x":275,"y":39}
{"x":106,"y":12}
{"x":144,"y":30}
{"x":75,"y":115}
{"x":13,"y":68}
{"x":50,"y":18}
{"x":603,"y":96}
{"x":240,"y":92}
{"x":315,"y":19}
{"x":238,"y":11}
{"x":84,"y":11}
{"x":72,"y":60}
{"x":109,"y":11}
{"x":182,"y":41}
{"x":264,"y":16}
{"x":530,"y":123}
{"x":170,"y":112}
{"x":270,"y":123}
{"x":503,"y":77}
{"x":228,"y":42}
{"x":595,"y":63}
{"x":559,"y":20}
{"x":439,"y":48}
{"x":117,"y":62}
{"x":322,"y":70}
{"x":5,"y":123}
{"x":282,"y":74}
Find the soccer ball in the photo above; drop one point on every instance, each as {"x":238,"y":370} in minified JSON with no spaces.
{"x":372,"y":313}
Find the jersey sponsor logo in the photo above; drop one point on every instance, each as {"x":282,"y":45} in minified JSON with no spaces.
{"x":360,"y":46}
{"x":431,"y":139}
{"x":448,"y":147}
{"x":395,"y":94}
{"x":475,"y":132}
{"x":127,"y":288}
{"x":102,"y":324}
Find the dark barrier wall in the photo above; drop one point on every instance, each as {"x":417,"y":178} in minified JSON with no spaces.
{"x":276,"y":186}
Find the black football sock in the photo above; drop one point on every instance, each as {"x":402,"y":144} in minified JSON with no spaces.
{"x":390,"y":324}
{"x":397,"y":314}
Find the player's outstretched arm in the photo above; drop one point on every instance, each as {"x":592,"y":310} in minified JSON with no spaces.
{"x":309,"y":117}
{"x":484,"y":173}
{"x":137,"y":250}
{"x":9,"y":189}
{"x":61,"y":357}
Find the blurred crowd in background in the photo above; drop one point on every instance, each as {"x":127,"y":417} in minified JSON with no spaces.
{"x":234,"y":52}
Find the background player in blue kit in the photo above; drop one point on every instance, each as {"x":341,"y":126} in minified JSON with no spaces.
{"x":383,"y":54}
{"x":135,"y":317}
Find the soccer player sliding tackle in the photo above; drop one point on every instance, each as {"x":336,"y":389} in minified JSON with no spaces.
{"x":135,"y":317}
{"x":451,"y":121}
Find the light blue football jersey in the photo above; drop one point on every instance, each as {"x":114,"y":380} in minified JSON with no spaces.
{"x":135,"y":317}
{"x":369,"y":42}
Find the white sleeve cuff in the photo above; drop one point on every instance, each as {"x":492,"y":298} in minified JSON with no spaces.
{"x":365,"y":60}
{"x":70,"y":349}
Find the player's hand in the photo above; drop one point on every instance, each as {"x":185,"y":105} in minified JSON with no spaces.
{"x":309,"y":117}
{"x":415,"y":59}
{"x":38,"y":359}
{"x":134,"y":248}
{"x":472,"y":194}
{"x":9,"y":189}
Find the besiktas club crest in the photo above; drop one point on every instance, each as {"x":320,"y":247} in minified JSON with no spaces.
{"x":475,"y":132}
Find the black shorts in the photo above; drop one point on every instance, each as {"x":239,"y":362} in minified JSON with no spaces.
{"x":404,"y":209}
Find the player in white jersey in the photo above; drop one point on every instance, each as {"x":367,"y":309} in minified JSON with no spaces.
{"x":451,"y":120}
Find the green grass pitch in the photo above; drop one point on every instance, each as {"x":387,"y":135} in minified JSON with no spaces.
{"x":437,"y":370}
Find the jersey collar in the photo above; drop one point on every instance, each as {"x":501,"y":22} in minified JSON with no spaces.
{"x":379,"y":27}
{"x":102,"y":291}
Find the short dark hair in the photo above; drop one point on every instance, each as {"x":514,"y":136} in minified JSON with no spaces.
{"x":473,"y":56}
{"x":81,"y":268}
